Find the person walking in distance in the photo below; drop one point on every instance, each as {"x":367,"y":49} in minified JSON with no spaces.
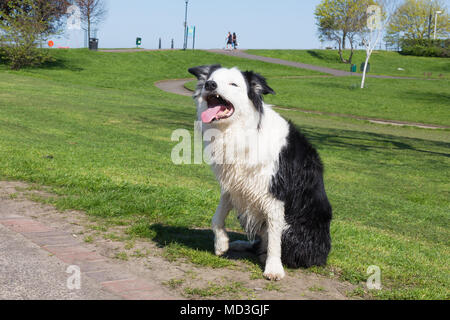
{"x":229,"y":39}
{"x":235,"y":44}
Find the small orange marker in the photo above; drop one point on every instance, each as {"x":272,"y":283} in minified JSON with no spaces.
{"x":51,"y":43}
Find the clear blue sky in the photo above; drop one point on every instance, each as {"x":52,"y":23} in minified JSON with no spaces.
{"x":258,"y":23}
{"x":268,"y":24}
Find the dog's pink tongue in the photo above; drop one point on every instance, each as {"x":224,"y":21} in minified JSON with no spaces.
{"x":210,"y":114}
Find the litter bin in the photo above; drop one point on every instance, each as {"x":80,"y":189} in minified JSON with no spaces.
{"x":93,"y":44}
{"x":362,"y":67}
{"x":353,"y":68}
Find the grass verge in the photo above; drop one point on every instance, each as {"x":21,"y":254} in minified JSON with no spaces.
{"x":100,"y":138}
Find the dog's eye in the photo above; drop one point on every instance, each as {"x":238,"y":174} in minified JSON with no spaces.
{"x":234,"y":85}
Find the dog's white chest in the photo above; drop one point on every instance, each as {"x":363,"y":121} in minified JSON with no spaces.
{"x":245,"y":167}
{"x":247,"y":186}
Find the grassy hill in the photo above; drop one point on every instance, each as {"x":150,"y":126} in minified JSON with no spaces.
{"x":94,"y":128}
{"x":382,"y":62}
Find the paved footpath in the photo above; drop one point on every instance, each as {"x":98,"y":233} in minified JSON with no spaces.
{"x":175,"y":86}
{"x":29,"y":272}
{"x":333,"y":72}
{"x":245,"y":55}
{"x":34,"y":259}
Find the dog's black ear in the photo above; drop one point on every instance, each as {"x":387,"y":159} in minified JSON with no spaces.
{"x":257,"y":87}
{"x":203,"y":72}
{"x":257,"y":83}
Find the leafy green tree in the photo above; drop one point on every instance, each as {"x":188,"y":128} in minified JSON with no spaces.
{"x":415,"y":19}
{"x":342,"y":20}
{"x":50,"y":11}
{"x":23,"y":25}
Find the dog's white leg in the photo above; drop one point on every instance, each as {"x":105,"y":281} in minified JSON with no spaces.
{"x":218,"y":224}
{"x":275,"y":226}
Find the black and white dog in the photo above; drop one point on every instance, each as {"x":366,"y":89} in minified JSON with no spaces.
{"x":280,"y":198}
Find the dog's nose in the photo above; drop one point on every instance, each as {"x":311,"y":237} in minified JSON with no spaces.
{"x":210,"y":85}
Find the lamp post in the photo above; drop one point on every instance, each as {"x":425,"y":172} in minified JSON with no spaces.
{"x":435,"y":23}
{"x":430,"y":19}
{"x":185,"y":26}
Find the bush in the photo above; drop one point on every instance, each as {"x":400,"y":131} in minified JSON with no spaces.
{"x":2,"y":55}
{"x":426,"y":48}
{"x":19,"y":56}
{"x":21,"y":29}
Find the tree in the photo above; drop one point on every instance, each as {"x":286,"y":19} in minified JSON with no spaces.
{"x":415,"y":19}
{"x":93,"y":12}
{"x":50,"y":12}
{"x":24,"y":24}
{"x":341,"y":20}
{"x":377,"y":18}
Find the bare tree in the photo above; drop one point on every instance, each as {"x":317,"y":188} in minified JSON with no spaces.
{"x":93,"y":12}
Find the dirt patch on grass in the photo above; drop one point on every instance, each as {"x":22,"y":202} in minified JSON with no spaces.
{"x":151,"y":260}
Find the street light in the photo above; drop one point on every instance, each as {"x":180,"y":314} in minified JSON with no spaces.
{"x":435,"y":23}
{"x":185,"y":26}
{"x":430,"y":19}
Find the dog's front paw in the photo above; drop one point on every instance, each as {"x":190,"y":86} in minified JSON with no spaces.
{"x":221,"y":246}
{"x":274,"y":271}
{"x":273,"y":275}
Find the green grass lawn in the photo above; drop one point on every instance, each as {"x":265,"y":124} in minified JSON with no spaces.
{"x":404,"y":100}
{"x":138,"y":71}
{"x":419,"y":101}
{"x":95,"y":129}
{"x":382,"y":62}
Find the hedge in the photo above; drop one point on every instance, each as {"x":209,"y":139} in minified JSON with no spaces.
{"x":426,"y":48}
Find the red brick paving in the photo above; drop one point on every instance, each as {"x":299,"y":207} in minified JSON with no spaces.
{"x":70,"y":250}
{"x":25,"y":225}
{"x":71,"y":258}
{"x":128,"y":285}
{"x":66,"y":240}
{"x":60,"y":250}
{"x":93,"y":266}
{"x":108,"y":275}
{"x":146,"y":295}
{"x":33,"y":235}
{"x":11,"y":216}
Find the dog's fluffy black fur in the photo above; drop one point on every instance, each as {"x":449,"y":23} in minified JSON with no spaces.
{"x":299,"y":184}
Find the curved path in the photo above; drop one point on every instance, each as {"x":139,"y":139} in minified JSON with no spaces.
{"x":333,"y":72}
{"x":245,"y":55}
{"x":177,"y":86}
